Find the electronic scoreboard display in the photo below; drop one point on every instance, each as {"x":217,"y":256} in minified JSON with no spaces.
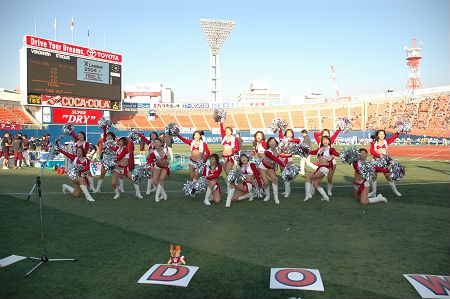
{"x":60,"y":78}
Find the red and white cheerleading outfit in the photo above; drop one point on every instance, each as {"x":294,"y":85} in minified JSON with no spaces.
{"x":176,"y":260}
{"x":151,"y":147}
{"x":326,"y":153}
{"x":202,"y":147}
{"x":78,"y":143}
{"x":269,"y":160}
{"x":250,"y":170}
{"x":122,"y":153}
{"x":233,"y":142}
{"x":359,"y":185}
{"x":154,"y":158}
{"x":260,"y":147}
{"x":374,"y":146}
{"x":332,"y":139}
{"x":287,"y":157}
{"x":74,"y":158}
{"x":212,"y":174}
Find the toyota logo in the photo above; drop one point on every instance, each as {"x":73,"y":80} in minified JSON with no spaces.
{"x":91,"y":53}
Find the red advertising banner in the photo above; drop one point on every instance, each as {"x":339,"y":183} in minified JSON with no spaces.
{"x":76,"y":116}
{"x":76,"y":102}
{"x":10,"y":127}
{"x":42,"y":43}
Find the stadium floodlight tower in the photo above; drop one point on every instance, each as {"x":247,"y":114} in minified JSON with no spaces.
{"x":216,"y":32}
{"x":413,"y":57}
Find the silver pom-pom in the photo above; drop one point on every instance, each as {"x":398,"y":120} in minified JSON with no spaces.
{"x":109,"y":154}
{"x":57,"y":140}
{"x":200,"y":185}
{"x":140,"y":172}
{"x":219,"y":115}
{"x":290,"y":172}
{"x":236,"y":176}
{"x":104,"y":122}
{"x":257,"y":161}
{"x":277,"y":124}
{"x":108,"y":161}
{"x":74,"y":171}
{"x":344,"y":123}
{"x":133,"y":135}
{"x":68,"y":129}
{"x":403,"y":126}
{"x":172,"y":129}
{"x":199,"y":166}
{"x":367,"y":170}
{"x":350,"y":155}
{"x":383,"y":161}
{"x":397,"y":171}
{"x":257,"y":192}
{"x":189,"y":188}
{"x":284,"y":145}
{"x":299,"y":149}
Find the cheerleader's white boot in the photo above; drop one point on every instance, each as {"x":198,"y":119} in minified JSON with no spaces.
{"x":163,"y":193}
{"x":121,"y":186}
{"x":373,"y":193}
{"x":117,"y":193}
{"x":86,"y":193}
{"x":229,"y":197}
{"x":378,"y":198}
{"x":149,"y":187}
{"x":394,"y":188}
{"x":91,"y":183}
{"x":138,"y":191}
{"x":99,"y":186}
{"x":158,"y":193}
{"x":329,"y":189}
{"x":207,"y":196}
{"x":67,"y":189}
{"x":245,"y":196}
{"x":275,"y":193}
{"x":287,"y":189}
{"x":267,"y":192}
{"x":324,"y":195}
{"x":307,"y":191}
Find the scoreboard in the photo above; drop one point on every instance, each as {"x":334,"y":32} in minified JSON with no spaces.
{"x":62,"y":75}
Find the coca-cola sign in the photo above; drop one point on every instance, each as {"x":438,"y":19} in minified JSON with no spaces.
{"x":76,"y":116}
{"x":51,"y":45}
{"x":79,"y":102}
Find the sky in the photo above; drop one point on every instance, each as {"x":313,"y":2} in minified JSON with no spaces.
{"x":290,"y":44}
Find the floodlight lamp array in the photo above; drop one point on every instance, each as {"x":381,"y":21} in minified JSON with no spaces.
{"x":216,"y":32}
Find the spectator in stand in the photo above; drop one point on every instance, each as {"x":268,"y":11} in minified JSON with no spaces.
{"x":32,"y":150}
{"x":17,"y":147}
{"x":5,"y":150}
{"x":306,"y":160}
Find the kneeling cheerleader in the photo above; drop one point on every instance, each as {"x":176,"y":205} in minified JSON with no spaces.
{"x":238,"y":190}
{"x":159,"y":162}
{"x":212,"y":173}
{"x":124,"y":166}
{"x":80,"y":166}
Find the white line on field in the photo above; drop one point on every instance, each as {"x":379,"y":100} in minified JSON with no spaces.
{"x":446,"y":150}
{"x":173,"y":191}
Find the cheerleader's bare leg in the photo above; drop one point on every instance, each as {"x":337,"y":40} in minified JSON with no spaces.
{"x":162,"y":178}
{"x":330,"y":180}
{"x":100,"y":180}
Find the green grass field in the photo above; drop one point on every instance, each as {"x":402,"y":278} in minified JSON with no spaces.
{"x":361,"y":252}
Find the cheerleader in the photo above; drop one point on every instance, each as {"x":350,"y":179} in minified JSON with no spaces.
{"x":259,"y":144}
{"x":124,"y":165}
{"x":230,"y":147}
{"x":106,"y":137}
{"x":199,"y":151}
{"x":317,"y":137}
{"x":159,"y":162}
{"x":80,"y":181}
{"x":325,"y":156}
{"x":236,"y":191}
{"x":151,"y":147}
{"x":268,"y":167}
{"x":361,"y":185}
{"x":80,"y":141}
{"x":378,"y":148}
{"x":212,"y":172}
{"x":287,"y":157}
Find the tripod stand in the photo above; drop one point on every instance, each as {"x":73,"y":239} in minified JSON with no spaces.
{"x":44,"y":257}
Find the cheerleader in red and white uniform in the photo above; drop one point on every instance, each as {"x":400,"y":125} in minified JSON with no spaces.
{"x":212,"y":173}
{"x":251,"y":172}
{"x":379,"y":148}
{"x":80,"y":181}
{"x":267,"y":169}
{"x":317,"y":137}
{"x":159,"y":161}
{"x":80,"y":141}
{"x":287,"y":158}
{"x":325,"y":155}
{"x":199,"y":151}
{"x":151,"y":147}
{"x":124,"y":165}
{"x":230,"y":147}
{"x":362,"y":185}
{"x":107,"y":136}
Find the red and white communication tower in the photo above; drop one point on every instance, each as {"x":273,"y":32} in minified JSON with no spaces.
{"x":413,"y":57}
{"x":336,"y":86}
